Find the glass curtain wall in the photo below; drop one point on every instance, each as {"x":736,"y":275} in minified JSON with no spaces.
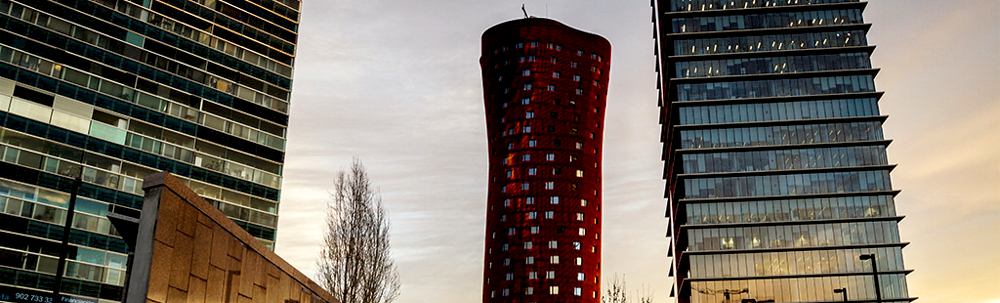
{"x":775,"y":158}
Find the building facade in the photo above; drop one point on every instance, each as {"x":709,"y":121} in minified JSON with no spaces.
{"x":777,"y":176}
{"x":114,"y":90}
{"x":545,"y":86}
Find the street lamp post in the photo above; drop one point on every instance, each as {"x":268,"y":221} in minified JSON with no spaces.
{"x":878,"y":287}
{"x":67,"y":228}
{"x":842,"y":291}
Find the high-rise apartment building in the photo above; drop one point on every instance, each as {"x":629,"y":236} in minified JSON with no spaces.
{"x":545,"y":86}
{"x":778,"y":181}
{"x":114,"y":90}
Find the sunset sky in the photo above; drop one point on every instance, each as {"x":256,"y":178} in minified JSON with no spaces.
{"x":397,"y":84}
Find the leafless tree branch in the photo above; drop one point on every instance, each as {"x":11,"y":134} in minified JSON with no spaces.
{"x":617,"y":292}
{"x":356,"y":262}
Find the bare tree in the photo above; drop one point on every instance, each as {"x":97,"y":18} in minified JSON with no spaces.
{"x":618,"y":293}
{"x":356,"y":262}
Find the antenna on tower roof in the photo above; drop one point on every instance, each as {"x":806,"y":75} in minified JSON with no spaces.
{"x":524,"y":11}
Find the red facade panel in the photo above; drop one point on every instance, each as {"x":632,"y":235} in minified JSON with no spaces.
{"x":545,"y":87}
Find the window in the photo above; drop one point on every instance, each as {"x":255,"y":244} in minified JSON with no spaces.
{"x":529,"y":260}
{"x":554,"y":259}
{"x":531,"y":58}
{"x":525,"y":186}
{"x":506,"y":202}
{"x":526,"y":129}
{"x":550,"y":274}
{"x":532,"y":171}
{"x":504,"y":217}
{"x":520,"y":59}
{"x":581,"y":276}
{"x":532,"y":143}
{"x":579,"y":172}
{"x":579,"y":216}
{"x":526,"y":72}
{"x":553,"y":244}
{"x":553,"y":60}
{"x":519,"y":45}
{"x":556,"y":170}
{"x":576,"y":245}
{"x":577,"y":291}
{"x":576,"y":78}
{"x":573,"y":158}
{"x":593,"y":56}
{"x":511,"y":231}
{"x":579,"y":145}
{"x":555,"y":74}
{"x":532,"y":275}
{"x":526,"y":157}
{"x":579,"y":91}
{"x":549,"y":214}
{"x":552,"y":129}
{"x":529,"y":200}
{"x":578,"y":53}
{"x":579,"y":261}
{"x":550,"y":185}
{"x":509,"y":276}
{"x":506,"y":292}
{"x":550,"y":157}
{"x":527,"y":245}
{"x":583,"y":231}
{"x":510,"y":174}
{"x":534,"y":229}
{"x":532,"y":215}
{"x":553,"y":290}
{"x":550,"y":45}
{"x":583,"y":202}
{"x":506,"y":262}
{"x":552,"y":87}
{"x":529,"y":114}
{"x":573,"y":65}
{"x":556,"y":142}
{"x":533,"y":44}
{"x":526,"y":101}
{"x":527,"y":86}
{"x":594,"y":69}
{"x":554,"y":200}
{"x":558,"y":47}
{"x":529,"y":290}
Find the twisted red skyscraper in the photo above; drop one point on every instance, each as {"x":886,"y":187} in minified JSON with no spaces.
{"x":545,"y":86}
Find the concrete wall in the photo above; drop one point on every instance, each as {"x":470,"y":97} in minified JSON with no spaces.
{"x":187,"y":251}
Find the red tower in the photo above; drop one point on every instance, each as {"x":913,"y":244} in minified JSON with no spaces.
{"x":545,"y":86}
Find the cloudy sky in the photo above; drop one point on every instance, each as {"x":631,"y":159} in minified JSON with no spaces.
{"x":397,"y":84}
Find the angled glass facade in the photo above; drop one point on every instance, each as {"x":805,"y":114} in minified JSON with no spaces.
{"x":113,"y":90}
{"x":778,"y":181}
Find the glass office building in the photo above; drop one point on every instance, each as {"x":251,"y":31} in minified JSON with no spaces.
{"x":114,"y":90}
{"x":775,"y":161}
